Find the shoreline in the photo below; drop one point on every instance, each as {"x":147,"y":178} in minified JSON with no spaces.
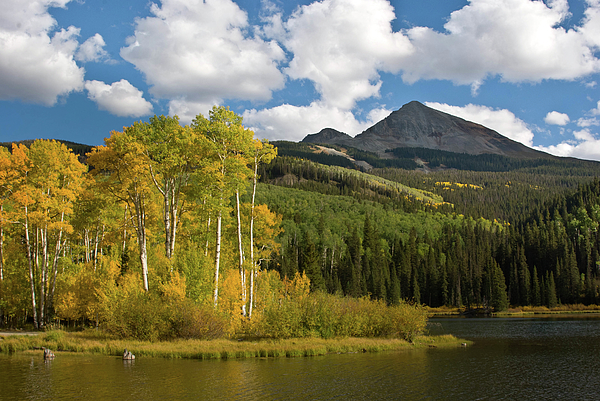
{"x":526,"y":310}
{"x":98,"y":344}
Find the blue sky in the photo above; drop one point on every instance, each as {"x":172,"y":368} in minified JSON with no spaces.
{"x":76,"y":70}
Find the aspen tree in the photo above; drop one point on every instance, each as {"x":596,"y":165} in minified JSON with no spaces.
{"x":120,"y":167}
{"x":228,"y":141}
{"x":171,"y":153}
{"x":262,"y":152}
{"x":51,"y":178}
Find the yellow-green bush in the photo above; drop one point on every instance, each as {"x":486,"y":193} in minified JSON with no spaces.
{"x":325,"y":316}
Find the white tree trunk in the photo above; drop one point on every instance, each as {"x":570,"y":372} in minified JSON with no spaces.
{"x":140,"y":209}
{"x":241,"y":253}
{"x":252,"y":267}
{"x":31,"y":278}
{"x":217,"y":259}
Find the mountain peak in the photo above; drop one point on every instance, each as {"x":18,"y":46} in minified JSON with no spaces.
{"x":328,"y":136}
{"x":416,"y":125}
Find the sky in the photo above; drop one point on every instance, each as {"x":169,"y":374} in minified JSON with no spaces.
{"x":78,"y":69}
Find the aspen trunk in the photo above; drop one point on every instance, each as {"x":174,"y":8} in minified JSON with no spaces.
{"x":217,"y":259}
{"x":252,"y":266}
{"x":54,"y":269}
{"x":138,"y":202}
{"x":31,"y":278}
{"x":43,"y":266}
{"x":241,"y":252}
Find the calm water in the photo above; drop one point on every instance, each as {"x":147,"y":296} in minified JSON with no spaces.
{"x":512,"y":358}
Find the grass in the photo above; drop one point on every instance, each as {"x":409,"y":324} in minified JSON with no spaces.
{"x":95,"y":342}
{"x":523,"y":310}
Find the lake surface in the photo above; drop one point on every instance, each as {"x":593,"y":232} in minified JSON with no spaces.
{"x":512,"y":358}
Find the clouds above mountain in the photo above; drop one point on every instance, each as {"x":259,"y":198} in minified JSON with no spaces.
{"x":557,"y":118}
{"x":518,"y":40}
{"x":341,"y":45}
{"x":500,"y":120}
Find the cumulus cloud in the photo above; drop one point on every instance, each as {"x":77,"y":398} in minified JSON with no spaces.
{"x":198,"y":51}
{"x":92,"y":49}
{"x":120,"y":98}
{"x":294,"y":123}
{"x":340,"y":45}
{"x":187,"y":111}
{"x":587,"y":122}
{"x":556,"y":118}
{"x":518,"y":40}
{"x":585,"y":145}
{"x":500,"y":120}
{"x":584,"y":122}
{"x":36,"y":59}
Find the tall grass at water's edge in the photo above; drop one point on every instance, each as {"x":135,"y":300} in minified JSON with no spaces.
{"x":93,"y":342}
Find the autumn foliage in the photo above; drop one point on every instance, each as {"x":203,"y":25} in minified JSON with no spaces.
{"x":159,"y":237}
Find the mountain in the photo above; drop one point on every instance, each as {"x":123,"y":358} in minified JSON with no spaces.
{"x":418,"y":126}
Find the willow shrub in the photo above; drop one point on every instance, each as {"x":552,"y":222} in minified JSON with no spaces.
{"x":323,"y":315}
{"x":127,"y":311}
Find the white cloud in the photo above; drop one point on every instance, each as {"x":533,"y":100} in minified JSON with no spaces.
{"x":556,"y":118}
{"x":518,"y":40}
{"x":593,"y":121}
{"x":197,"y":51}
{"x":340,"y":45}
{"x":36,"y":59}
{"x":92,"y":49}
{"x":584,"y":146}
{"x":121,"y":98}
{"x":587,"y":122}
{"x":187,"y":111}
{"x":294,"y":123}
{"x":501,"y":120}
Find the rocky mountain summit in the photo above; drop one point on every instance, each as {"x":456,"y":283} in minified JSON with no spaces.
{"x":418,"y":126}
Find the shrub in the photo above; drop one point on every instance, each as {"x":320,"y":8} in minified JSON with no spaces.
{"x":202,"y":322}
{"x":323,"y":315}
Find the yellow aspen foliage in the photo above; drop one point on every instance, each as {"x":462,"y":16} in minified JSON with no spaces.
{"x":76,"y":292}
{"x":230,"y":301}
{"x":298,"y":288}
{"x":175,"y":289}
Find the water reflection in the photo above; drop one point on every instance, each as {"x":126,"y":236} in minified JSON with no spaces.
{"x":511,"y":359}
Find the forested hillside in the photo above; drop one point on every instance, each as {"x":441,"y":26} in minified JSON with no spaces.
{"x":520,"y":242}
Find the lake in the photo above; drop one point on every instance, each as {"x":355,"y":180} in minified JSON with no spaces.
{"x":528,"y":358}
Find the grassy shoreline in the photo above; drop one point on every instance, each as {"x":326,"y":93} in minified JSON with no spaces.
{"x":525,"y":310}
{"x":91,"y":342}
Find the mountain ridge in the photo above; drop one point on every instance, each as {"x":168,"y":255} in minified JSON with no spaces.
{"x":415,"y":125}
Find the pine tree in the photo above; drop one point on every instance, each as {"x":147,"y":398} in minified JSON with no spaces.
{"x":536,"y":296}
{"x":499,"y":298}
{"x":311,"y":263}
{"x":552,"y":301}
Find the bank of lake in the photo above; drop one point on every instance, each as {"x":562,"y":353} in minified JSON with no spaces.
{"x":93,"y":341}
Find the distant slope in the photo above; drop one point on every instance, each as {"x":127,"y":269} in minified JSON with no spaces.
{"x":78,"y":148}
